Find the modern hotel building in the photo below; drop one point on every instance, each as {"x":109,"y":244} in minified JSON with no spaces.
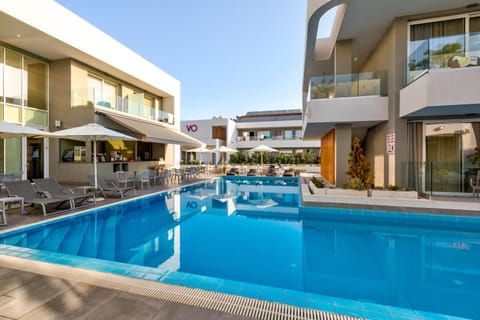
{"x":278,"y":129}
{"x":404,"y":77}
{"x":58,"y":71}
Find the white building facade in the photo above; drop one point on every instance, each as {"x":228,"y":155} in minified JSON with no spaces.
{"x":58,"y":71}
{"x":278,"y":129}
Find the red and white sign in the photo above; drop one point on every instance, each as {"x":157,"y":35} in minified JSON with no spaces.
{"x":391,"y":143}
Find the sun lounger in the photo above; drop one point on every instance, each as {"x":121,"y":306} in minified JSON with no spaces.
{"x":104,"y":186}
{"x":252,"y":172}
{"x":51,"y":186}
{"x":23,"y":188}
{"x":233,"y":172}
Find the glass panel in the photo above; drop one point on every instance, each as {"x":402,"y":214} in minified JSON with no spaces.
{"x":110,"y":95}
{"x":35,"y":83}
{"x":452,"y":156}
{"x":263,"y":135}
{"x":13,"y":78}
{"x":35,"y":117}
{"x":435,"y":45}
{"x":13,"y":114}
{"x":2,"y":158}
{"x":13,"y":158}
{"x":349,"y":85}
{"x":149,"y":109}
{"x":474,"y":37}
{"x":1,"y":75}
{"x":298,"y":134}
{"x":94,"y":94}
{"x":288,"y":134}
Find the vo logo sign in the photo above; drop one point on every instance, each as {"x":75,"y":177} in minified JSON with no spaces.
{"x":192,"y":205}
{"x":192,"y":127}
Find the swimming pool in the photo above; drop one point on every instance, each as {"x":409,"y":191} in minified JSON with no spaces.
{"x":249,"y":236}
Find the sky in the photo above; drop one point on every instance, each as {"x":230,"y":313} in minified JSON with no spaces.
{"x":230,"y":57}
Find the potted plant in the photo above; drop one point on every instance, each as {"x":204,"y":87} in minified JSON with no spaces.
{"x":360,"y":179}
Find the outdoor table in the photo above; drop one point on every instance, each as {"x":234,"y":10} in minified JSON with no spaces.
{"x":7,"y":201}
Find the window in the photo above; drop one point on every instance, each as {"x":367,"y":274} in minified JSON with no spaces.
{"x":474,"y":37}
{"x":264,"y":135}
{"x":94,"y":85}
{"x":149,"y":108}
{"x":35,"y":83}
{"x":13,"y":78}
{"x":110,"y":95}
{"x":288,"y":134}
{"x":219,"y":132}
{"x":450,"y":42}
{"x":433,"y":44}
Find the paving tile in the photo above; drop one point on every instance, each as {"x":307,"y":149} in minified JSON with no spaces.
{"x":31,"y":295}
{"x":76,"y":303}
{"x":5,"y":299}
{"x":127,"y":306}
{"x":11,"y":280}
{"x":173,"y":311}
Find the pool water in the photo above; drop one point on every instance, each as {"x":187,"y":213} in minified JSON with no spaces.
{"x":252,"y":234}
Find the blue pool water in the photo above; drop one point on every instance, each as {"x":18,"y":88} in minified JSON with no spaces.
{"x":249,"y":236}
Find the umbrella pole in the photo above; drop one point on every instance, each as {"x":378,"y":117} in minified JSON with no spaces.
{"x":95,"y":162}
{"x":261,"y":161}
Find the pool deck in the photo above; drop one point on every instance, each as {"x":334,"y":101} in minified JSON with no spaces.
{"x":38,"y":290}
{"x":443,"y":205}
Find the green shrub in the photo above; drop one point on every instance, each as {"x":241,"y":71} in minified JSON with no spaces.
{"x":317,"y":182}
{"x":358,"y":168}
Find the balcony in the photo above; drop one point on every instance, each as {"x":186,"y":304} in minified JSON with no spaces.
{"x":441,"y":81}
{"x":348,"y":85}
{"x":132,"y":104}
{"x":446,"y":52}
{"x":359,"y":99}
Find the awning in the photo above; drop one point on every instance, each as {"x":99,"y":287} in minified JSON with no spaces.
{"x":152,"y":132}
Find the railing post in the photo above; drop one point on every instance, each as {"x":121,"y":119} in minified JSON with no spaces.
{"x":431,"y":179}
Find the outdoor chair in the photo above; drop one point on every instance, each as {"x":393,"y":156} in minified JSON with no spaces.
{"x":107,"y":186}
{"x":252,"y":172}
{"x":51,"y":186}
{"x":124,"y":180}
{"x":144,"y":178}
{"x":155,"y":176}
{"x":24,"y":189}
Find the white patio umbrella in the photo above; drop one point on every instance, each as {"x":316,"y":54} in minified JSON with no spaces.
{"x":92,"y":132}
{"x":13,"y":130}
{"x":262,"y":148}
{"x":224,"y":149}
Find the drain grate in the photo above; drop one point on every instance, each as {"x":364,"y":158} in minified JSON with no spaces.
{"x":237,"y":305}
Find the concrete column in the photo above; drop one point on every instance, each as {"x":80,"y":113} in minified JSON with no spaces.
{"x":343,"y":144}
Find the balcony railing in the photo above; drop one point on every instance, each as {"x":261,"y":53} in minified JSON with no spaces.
{"x":348,"y":85}
{"x":442,"y":53}
{"x":130,"y":105}
{"x":258,"y":138}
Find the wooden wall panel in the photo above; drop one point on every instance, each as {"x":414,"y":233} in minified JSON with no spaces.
{"x":327,"y":157}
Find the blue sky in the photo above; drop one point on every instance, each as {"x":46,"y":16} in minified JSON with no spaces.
{"x":230,"y":56}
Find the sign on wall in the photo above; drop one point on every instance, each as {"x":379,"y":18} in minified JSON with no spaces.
{"x":191,"y":127}
{"x":391,"y":143}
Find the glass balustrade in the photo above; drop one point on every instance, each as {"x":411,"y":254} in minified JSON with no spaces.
{"x":131,"y":104}
{"x":348,"y":85}
{"x":442,"y":53}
